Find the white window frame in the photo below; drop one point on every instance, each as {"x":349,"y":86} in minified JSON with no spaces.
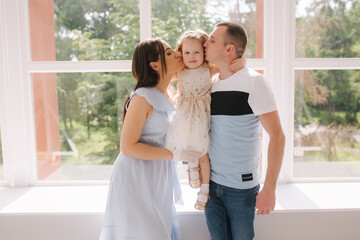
{"x":16,"y":100}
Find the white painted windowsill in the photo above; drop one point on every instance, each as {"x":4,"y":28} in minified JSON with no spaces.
{"x":83,"y":200}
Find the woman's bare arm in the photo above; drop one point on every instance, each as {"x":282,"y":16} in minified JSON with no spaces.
{"x":139,"y":110}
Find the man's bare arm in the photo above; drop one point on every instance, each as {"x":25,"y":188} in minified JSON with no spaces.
{"x":265,"y":201}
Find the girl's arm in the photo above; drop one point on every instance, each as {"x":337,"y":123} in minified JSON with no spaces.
{"x":174,"y":77}
{"x":139,"y":110}
{"x":237,"y":65}
{"x":213,"y":70}
{"x":171,"y":89}
{"x":171,"y":92}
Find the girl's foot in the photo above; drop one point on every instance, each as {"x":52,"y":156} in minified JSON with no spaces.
{"x":202,"y":200}
{"x":194,"y":177}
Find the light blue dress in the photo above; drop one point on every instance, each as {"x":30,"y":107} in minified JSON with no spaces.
{"x":142,"y":193}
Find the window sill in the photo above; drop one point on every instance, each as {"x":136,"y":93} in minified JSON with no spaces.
{"x":82,"y":200}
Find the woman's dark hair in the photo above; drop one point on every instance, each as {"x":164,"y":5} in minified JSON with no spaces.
{"x":146,"y":52}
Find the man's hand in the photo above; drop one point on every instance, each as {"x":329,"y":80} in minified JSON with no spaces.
{"x":265,"y":201}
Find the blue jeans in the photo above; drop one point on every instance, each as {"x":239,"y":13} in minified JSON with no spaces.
{"x":230,"y":212}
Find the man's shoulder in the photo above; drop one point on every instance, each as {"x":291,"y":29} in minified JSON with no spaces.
{"x":247,"y":77}
{"x":248,"y":72}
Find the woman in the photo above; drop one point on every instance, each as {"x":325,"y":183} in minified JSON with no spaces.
{"x":140,"y":201}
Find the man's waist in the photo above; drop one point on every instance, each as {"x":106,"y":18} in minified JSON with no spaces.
{"x":238,"y":180}
{"x":233,"y":166}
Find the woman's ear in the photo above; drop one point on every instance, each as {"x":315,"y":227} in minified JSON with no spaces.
{"x":155,"y":66}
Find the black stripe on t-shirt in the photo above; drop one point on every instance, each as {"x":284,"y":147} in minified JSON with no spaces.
{"x":230,"y":103}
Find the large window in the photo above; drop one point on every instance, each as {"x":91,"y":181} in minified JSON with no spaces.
{"x":66,"y":70}
{"x":327,"y":102}
{"x":78,"y":115}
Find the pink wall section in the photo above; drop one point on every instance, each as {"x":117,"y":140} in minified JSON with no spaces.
{"x":42,"y":40}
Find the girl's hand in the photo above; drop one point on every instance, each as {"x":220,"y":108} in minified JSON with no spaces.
{"x":237,"y":65}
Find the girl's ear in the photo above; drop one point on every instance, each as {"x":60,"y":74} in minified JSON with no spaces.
{"x":155,"y":66}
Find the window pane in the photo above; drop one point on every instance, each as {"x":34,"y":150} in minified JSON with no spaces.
{"x":78,"y":119}
{"x":327,"y":29}
{"x":170,"y":18}
{"x":73,"y":30}
{"x":327,"y":117}
{"x":1,"y":161}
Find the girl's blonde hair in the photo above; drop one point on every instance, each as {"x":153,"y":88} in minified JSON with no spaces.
{"x":197,"y":34}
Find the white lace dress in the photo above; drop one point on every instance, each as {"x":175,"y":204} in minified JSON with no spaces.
{"x":190,"y":127}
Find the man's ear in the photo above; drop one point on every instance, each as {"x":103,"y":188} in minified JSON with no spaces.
{"x":230,"y":49}
{"x":155,"y":66}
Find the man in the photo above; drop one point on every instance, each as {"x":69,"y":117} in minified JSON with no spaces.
{"x":241,"y":104}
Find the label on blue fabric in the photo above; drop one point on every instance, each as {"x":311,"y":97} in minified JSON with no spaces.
{"x":247,"y":177}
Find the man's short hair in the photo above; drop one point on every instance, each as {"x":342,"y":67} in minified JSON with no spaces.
{"x":235,"y":35}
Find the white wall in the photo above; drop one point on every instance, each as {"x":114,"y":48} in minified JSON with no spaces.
{"x":327,"y":225}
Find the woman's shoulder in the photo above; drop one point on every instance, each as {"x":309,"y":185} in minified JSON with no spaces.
{"x":145,"y":91}
{"x":155,"y":98}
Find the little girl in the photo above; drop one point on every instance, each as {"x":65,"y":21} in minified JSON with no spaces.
{"x":188,"y":134}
